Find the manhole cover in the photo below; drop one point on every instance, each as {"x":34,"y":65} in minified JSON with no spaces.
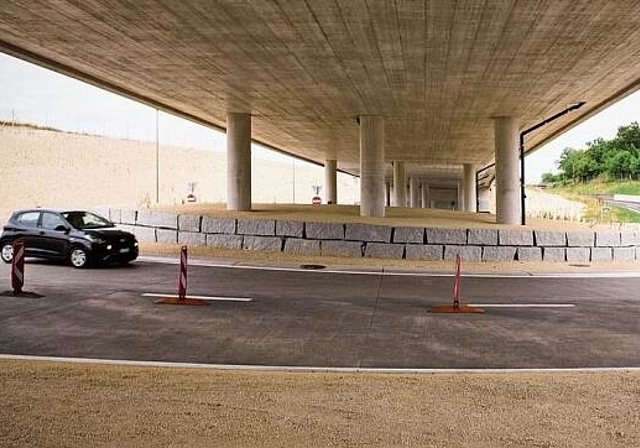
{"x":312,"y":267}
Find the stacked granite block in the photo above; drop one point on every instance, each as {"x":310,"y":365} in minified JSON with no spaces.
{"x":380,"y":241}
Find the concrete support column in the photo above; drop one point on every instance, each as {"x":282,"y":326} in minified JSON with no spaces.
{"x":469,"y":187}
{"x":507,"y":171}
{"x":331,"y":181}
{"x":387,"y":193}
{"x":425,"y":195}
{"x":413,"y":192}
{"x":372,"y":166}
{"x":460,"y":200}
{"x":399,"y":184}
{"x":238,"y":161}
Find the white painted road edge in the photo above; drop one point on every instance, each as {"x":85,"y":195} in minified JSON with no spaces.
{"x":392,"y":272}
{"x":302,"y":369}
{"x":523,"y":305}
{"x":212,"y":298}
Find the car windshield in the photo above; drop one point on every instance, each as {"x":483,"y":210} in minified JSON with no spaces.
{"x":86,"y":220}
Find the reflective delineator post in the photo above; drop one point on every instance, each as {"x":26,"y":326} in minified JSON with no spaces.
{"x":456,"y":307}
{"x":456,"y":284}
{"x":182,"y":298}
{"x":17,"y":267}
{"x":182,"y":280}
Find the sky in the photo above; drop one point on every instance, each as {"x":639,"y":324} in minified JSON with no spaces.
{"x":31,"y":94}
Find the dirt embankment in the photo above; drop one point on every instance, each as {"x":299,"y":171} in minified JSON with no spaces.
{"x":51,"y":168}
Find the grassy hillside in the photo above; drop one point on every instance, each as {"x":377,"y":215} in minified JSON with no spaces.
{"x":594,"y":194}
{"x":599,"y":187}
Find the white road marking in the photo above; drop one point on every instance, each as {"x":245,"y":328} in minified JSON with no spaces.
{"x":212,"y":298}
{"x":523,"y":305}
{"x":311,"y":369}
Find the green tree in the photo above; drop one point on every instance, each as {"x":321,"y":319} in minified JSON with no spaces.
{"x":618,"y":165}
{"x":550,"y":178}
{"x":618,"y":158}
{"x":584,"y":168}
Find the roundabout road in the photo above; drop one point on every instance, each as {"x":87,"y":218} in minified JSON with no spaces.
{"x":322,"y":319}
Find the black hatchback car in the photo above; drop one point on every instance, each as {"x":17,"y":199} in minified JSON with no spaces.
{"x":80,"y":237}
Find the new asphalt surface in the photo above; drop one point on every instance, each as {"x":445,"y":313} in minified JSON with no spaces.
{"x":373,"y":319}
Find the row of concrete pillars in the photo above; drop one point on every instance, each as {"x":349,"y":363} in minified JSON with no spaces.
{"x":418,"y":192}
{"x":462,"y":195}
{"x":373,"y":188}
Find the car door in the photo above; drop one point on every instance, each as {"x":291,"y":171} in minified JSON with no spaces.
{"x":53,"y":235}
{"x":26,"y":227}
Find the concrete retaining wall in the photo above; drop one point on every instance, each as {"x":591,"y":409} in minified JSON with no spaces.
{"x":379,"y":241}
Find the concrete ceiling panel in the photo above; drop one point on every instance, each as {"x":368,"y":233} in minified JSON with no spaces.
{"x":437,"y":70}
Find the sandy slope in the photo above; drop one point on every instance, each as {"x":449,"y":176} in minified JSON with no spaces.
{"x":50,"y":168}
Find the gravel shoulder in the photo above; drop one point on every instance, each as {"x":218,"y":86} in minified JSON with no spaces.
{"x":46,"y":404}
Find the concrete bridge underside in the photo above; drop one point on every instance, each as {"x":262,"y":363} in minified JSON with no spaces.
{"x":439,"y":87}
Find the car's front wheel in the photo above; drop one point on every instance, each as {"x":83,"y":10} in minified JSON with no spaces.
{"x":7,"y":252}
{"x":79,"y":257}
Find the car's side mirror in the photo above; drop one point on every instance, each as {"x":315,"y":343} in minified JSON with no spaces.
{"x":62,"y":228}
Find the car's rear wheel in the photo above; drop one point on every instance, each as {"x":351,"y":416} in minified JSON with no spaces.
{"x":79,"y":257}
{"x":7,"y":252}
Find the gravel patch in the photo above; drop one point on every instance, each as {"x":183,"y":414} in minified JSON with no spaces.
{"x":48,"y":404}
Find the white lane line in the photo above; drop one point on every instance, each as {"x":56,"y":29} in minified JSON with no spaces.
{"x":212,"y":298}
{"x":523,"y":305}
{"x":311,"y":369}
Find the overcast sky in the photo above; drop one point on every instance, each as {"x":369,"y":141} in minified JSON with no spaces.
{"x":35,"y":95}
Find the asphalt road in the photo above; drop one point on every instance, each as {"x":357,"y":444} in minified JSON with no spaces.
{"x":322,"y":319}
{"x":633,"y":206}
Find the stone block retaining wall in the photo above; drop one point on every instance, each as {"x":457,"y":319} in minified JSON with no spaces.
{"x":379,"y":241}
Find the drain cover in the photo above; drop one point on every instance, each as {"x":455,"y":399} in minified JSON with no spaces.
{"x":312,"y":266}
{"x":578,"y":265}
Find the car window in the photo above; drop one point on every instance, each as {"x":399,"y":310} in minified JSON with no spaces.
{"x":28,"y":219}
{"x":52,"y":221}
{"x":86,"y":220}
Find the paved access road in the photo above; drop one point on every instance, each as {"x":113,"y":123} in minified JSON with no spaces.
{"x":321,"y":319}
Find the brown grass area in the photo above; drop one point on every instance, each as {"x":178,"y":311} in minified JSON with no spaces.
{"x":52,"y":404}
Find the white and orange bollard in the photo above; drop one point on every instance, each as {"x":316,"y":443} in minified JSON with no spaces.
{"x":182,"y":279}
{"x":182,"y":298}
{"x":456,"y":307}
{"x":17,"y":267}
